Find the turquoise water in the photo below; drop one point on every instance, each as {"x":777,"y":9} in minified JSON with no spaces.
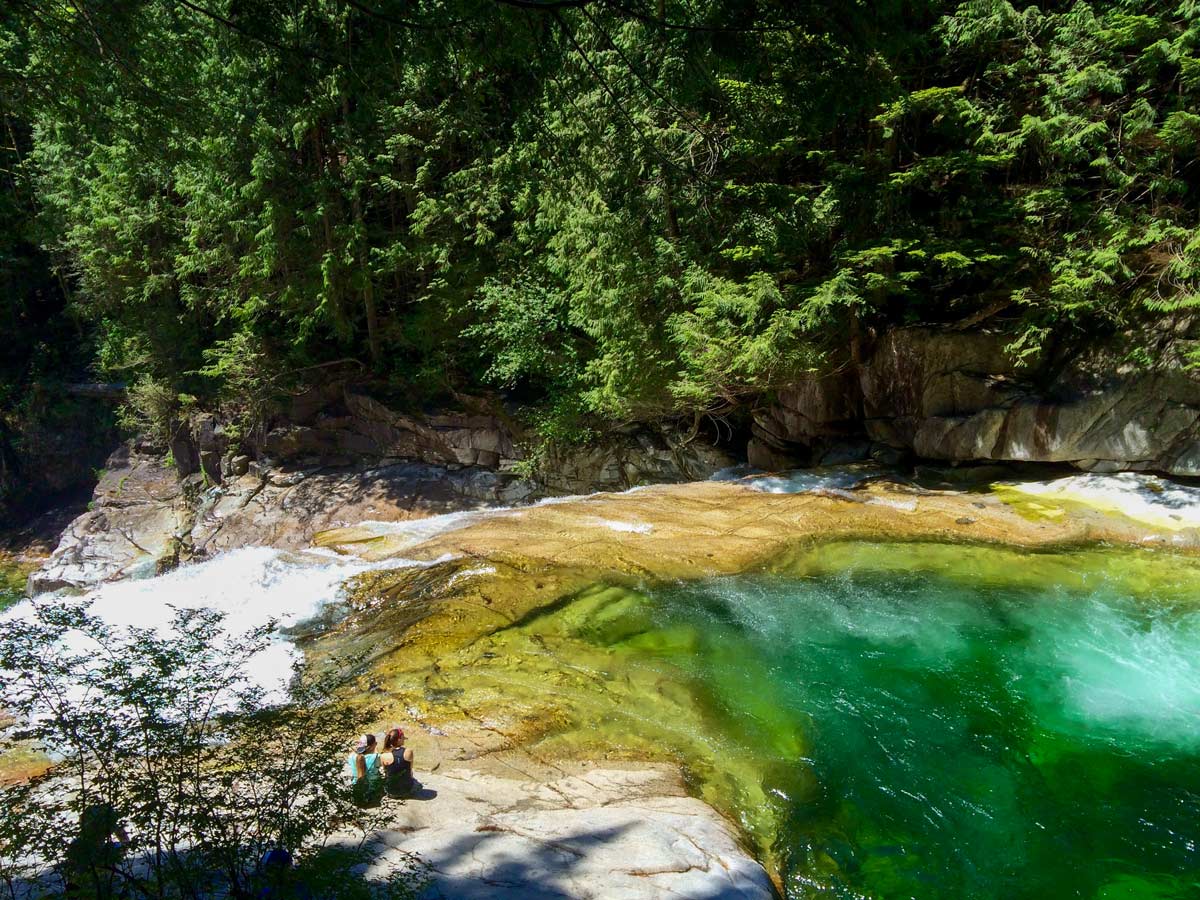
{"x":920,"y":732}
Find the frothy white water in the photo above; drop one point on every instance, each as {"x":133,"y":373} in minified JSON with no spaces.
{"x":1109,"y":668}
{"x":735,"y":473}
{"x":249,"y":587}
{"x":475,"y":572}
{"x":1147,"y":499}
{"x":626,"y":527}
{"x":803,"y":480}
{"x":411,"y":532}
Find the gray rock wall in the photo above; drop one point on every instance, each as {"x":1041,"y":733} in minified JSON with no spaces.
{"x":341,"y":458}
{"x":960,"y":397}
{"x":337,"y":427}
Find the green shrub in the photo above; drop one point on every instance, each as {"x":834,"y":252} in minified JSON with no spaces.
{"x":206,"y":772}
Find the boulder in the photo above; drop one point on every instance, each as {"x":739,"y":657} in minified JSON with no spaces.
{"x":136,"y":512}
{"x":183,"y":451}
{"x":389,"y":433}
{"x":818,"y":417}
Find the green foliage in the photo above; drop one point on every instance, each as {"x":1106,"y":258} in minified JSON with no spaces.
{"x":736,"y":339}
{"x":587,"y":210}
{"x":248,"y":381}
{"x":152,"y":408}
{"x":205,"y":772}
{"x":12,"y":581}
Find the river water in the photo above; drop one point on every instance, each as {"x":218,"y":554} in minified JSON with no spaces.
{"x":901,"y":719}
{"x":883,"y":719}
{"x":959,"y":737}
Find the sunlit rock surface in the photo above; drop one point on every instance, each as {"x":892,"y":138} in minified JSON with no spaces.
{"x":137,"y":509}
{"x":592,"y":833}
{"x":715,"y":526}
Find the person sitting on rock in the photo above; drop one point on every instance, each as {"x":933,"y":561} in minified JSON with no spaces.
{"x":278,"y":878}
{"x":397,"y":765}
{"x":363,"y":772}
{"x":91,"y":858}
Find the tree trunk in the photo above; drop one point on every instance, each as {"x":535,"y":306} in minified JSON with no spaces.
{"x":364,"y":256}
{"x":669,"y":203}
{"x":335,"y":302}
{"x":369,"y":306}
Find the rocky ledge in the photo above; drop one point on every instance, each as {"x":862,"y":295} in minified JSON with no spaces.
{"x":602,"y":833}
{"x":144,"y":518}
{"x":337,"y":457}
{"x":962,"y":396}
{"x":338,"y":426}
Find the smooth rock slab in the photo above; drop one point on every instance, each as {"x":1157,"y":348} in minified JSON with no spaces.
{"x":600,"y":833}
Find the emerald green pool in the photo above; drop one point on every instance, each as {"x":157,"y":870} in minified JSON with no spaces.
{"x":921,"y":721}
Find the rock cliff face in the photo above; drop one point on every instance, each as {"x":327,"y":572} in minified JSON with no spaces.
{"x":959,"y":397}
{"x":338,"y":427}
{"x":340,"y":458}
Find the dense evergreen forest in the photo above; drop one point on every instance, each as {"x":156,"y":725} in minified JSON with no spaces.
{"x":613,"y":210}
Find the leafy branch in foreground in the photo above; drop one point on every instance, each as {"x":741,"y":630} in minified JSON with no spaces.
{"x":166,"y":730}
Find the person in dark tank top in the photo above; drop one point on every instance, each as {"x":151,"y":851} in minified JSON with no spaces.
{"x":397,"y":762}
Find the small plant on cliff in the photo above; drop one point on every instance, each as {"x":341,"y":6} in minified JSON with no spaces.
{"x":249,"y":382}
{"x":562,"y":425}
{"x":12,"y":581}
{"x":166,"y":729}
{"x":151,"y":409}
